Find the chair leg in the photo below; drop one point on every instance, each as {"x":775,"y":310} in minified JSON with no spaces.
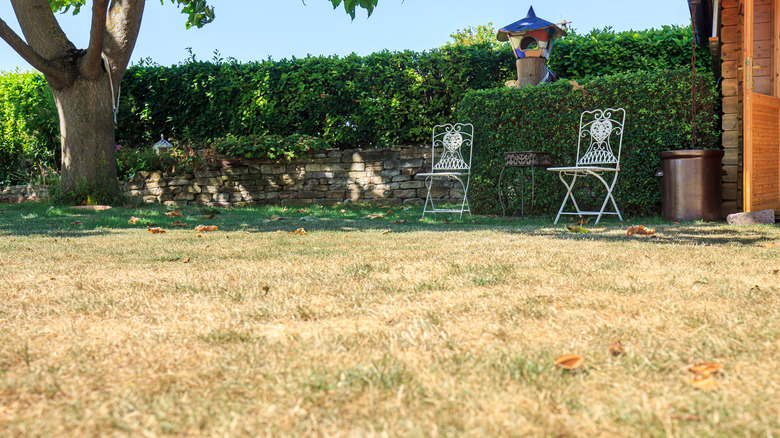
{"x":569,"y":194}
{"x":464,"y":206}
{"x":428,"y":183}
{"x":608,"y":198}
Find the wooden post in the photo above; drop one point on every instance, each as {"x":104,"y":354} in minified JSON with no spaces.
{"x":530,"y":71}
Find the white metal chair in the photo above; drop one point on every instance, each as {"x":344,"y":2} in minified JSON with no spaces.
{"x":451,"y":149}
{"x":600,"y":131}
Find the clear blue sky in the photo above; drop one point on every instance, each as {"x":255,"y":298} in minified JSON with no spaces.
{"x":257,"y":29}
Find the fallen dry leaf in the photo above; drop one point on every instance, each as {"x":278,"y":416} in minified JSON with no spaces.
{"x":770,"y":245}
{"x":616,"y":348}
{"x":155,"y":230}
{"x":299,"y":232}
{"x":276,"y":218}
{"x":569,"y":361}
{"x":179,"y":224}
{"x":185,"y":260}
{"x":385,"y":232}
{"x":583,"y":220}
{"x":302,"y":211}
{"x":343,"y":211}
{"x":705,"y":368}
{"x":641,"y":230}
{"x":373,"y":216}
{"x":205,"y":228}
{"x":389,"y":213}
{"x":174,"y":213}
{"x":211,"y":216}
{"x":400,"y":221}
{"x":134,"y":220}
{"x":704,"y":382}
{"x":77,"y":222}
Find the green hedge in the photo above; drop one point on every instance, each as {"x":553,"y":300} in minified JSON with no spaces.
{"x":383,"y":99}
{"x":545,"y":118}
{"x":28,"y":126}
{"x":376,"y":100}
{"x":606,"y":52}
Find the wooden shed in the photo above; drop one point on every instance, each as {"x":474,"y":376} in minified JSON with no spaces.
{"x":744,"y":39}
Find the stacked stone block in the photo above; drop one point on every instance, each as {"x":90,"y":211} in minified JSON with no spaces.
{"x":355,"y":175}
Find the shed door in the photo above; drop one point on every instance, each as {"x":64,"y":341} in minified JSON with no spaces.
{"x":761,"y":106}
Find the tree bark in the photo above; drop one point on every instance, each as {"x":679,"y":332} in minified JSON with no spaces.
{"x":88,"y":141}
{"x":79,"y":80}
{"x":531,"y":71}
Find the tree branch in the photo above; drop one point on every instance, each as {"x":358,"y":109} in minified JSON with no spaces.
{"x":48,"y":49}
{"x":90,"y":64}
{"x":123,"y":25}
{"x":28,"y":53}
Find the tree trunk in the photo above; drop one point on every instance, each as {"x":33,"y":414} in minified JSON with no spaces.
{"x":88,"y":143}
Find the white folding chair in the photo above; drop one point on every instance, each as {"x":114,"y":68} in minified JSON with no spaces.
{"x":451,"y":148}
{"x":599,"y":131}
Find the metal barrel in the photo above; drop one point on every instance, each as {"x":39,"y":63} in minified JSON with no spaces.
{"x":691,"y":184}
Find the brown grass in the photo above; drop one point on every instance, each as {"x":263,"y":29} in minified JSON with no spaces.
{"x":359,"y":333}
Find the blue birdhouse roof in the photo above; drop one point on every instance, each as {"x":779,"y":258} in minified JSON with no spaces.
{"x":527,"y":24}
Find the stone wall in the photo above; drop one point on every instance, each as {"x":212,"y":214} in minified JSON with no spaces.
{"x":24,"y":193}
{"x":325,"y":177}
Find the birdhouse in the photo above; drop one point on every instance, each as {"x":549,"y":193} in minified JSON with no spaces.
{"x":162,"y":147}
{"x":531,"y":37}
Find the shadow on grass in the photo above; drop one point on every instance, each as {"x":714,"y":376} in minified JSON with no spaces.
{"x":47,"y":220}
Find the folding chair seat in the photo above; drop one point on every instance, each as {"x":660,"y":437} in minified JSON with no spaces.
{"x":451,"y":150}
{"x":599,"y":132}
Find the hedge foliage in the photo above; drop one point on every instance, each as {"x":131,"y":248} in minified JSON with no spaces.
{"x":376,"y":100}
{"x":382,"y":99}
{"x":606,"y":52}
{"x":29,"y":130}
{"x":546,"y":118}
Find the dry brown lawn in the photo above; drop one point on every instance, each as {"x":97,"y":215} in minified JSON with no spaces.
{"x":410,"y":333}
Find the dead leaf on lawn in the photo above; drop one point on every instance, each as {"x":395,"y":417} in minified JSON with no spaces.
{"x":205,"y":228}
{"x":275,"y":218}
{"x":373,"y":216}
{"x":616,"y":348}
{"x":152,"y":224}
{"x":211,"y":216}
{"x":298,"y":232}
{"x":174,"y":213}
{"x":155,"y":230}
{"x":640,"y":230}
{"x":770,"y":244}
{"x":583,"y":220}
{"x":400,"y":221}
{"x":77,"y":222}
{"x":134,"y":220}
{"x":179,"y":224}
{"x":389,"y":213}
{"x":705,"y":368}
{"x":301,"y":211}
{"x":343,"y":211}
{"x":385,"y":232}
{"x":704,"y":382}
{"x":185,"y":260}
{"x":569,"y":361}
